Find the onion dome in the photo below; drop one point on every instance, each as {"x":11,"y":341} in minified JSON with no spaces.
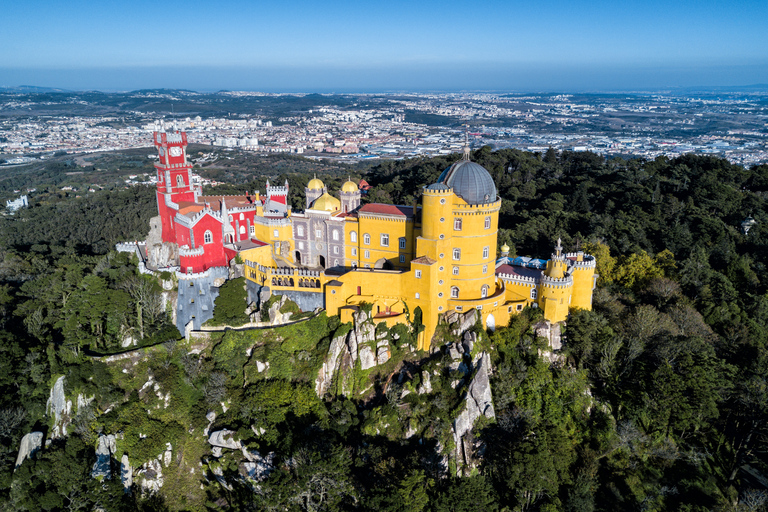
{"x":349,"y":186}
{"x":315,"y":184}
{"x":470,"y":181}
{"x":326,"y":203}
{"x":505,"y":248}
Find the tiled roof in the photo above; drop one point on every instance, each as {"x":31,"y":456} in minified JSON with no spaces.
{"x":519,"y":271}
{"x":424,"y":260}
{"x":388,"y":209}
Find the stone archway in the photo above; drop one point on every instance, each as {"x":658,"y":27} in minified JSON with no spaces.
{"x":490,"y":322}
{"x":383,"y":264}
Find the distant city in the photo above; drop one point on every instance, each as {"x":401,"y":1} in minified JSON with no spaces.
{"x":357,"y":127}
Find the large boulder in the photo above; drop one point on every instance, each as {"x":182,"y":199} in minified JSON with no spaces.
{"x":224,"y":439}
{"x":126,"y":473}
{"x":367,"y":358}
{"x":331,"y":364}
{"x":478,"y":402}
{"x":102,"y":468}
{"x":60,"y":408}
{"x":258,"y":467}
{"x":30,"y":444}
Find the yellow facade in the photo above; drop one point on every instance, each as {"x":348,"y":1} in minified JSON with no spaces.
{"x":440,"y":258}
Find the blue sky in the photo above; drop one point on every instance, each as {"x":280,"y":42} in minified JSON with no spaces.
{"x":396,"y":45}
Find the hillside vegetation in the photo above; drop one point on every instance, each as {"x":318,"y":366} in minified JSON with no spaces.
{"x":658,"y":400}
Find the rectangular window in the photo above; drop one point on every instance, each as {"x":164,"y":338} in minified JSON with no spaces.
{"x":418,"y":274}
{"x":455,"y":271}
{"x":367,"y":254}
{"x":301,"y":246}
{"x":276,"y":233}
{"x":335,"y":249}
{"x":354,"y":251}
{"x":487,"y":223}
{"x":402,"y":243}
{"x":384,"y":240}
{"x":318,"y":233}
{"x":299,"y":230}
{"x":459,"y":308}
{"x":402,"y":258}
{"x":457,"y":224}
{"x":335,"y":235}
{"x":485,"y":269}
{"x":486,"y":250}
{"x":457,"y":254}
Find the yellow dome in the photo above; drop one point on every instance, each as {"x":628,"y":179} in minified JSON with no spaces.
{"x":326,"y":203}
{"x":349,"y":186}
{"x":505,"y":248}
{"x":315,"y":184}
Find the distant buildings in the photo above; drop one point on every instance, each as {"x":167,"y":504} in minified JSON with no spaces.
{"x":14,"y":204}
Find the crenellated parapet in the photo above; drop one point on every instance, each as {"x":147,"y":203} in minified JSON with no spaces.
{"x":525,"y":280}
{"x":186,"y":251}
{"x":556,"y":282}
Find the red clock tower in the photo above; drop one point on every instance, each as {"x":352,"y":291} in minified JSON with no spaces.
{"x":174,"y":181}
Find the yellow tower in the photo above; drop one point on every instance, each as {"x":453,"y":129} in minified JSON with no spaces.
{"x":584,"y":279}
{"x":555,"y":287}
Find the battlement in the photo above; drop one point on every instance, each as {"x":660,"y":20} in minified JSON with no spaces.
{"x":185,"y":250}
{"x":518,"y":279}
{"x":556,"y":282}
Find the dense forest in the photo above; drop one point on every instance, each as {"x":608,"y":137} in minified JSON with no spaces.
{"x":658,"y":400}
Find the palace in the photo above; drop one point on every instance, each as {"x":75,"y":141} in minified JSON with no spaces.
{"x":339,"y":255}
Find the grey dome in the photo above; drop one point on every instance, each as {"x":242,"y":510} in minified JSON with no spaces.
{"x":438,"y":186}
{"x":470,"y":181}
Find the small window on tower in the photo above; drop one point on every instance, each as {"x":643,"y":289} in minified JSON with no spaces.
{"x":353,"y":236}
{"x":208,"y":237}
{"x":402,"y":243}
{"x":487,"y":223}
{"x":486,"y":250}
{"x":457,"y":224}
{"x":179,"y":181}
{"x":299,"y":230}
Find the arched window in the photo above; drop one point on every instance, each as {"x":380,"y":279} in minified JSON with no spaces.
{"x":484,"y":291}
{"x":487,"y":223}
{"x":455,"y":271}
{"x":335,"y":234}
{"x":457,"y":254}
{"x":208,"y":237}
{"x":367,"y":239}
{"x":457,"y":224}
{"x":242,"y":216}
{"x":179,"y":181}
{"x":534,"y":293}
{"x":242,"y":230}
{"x":230,"y":218}
{"x":454,"y":292}
{"x":353,"y":236}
